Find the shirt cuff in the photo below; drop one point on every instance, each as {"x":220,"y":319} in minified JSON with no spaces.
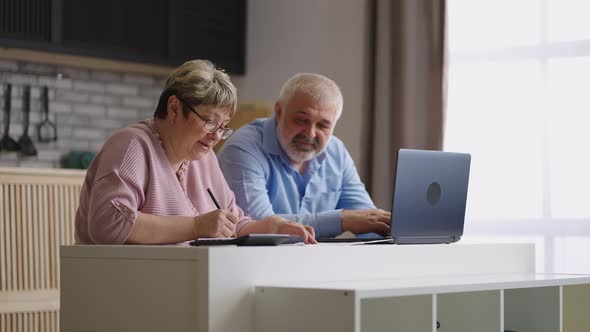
{"x":130,"y":216}
{"x":329,"y":223}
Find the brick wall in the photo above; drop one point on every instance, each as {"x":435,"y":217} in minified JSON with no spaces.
{"x":86,"y":105}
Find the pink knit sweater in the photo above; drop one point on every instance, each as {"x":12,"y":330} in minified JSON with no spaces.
{"x":131,"y":175}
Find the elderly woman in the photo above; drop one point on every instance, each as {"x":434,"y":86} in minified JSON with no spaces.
{"x":149,"y":183}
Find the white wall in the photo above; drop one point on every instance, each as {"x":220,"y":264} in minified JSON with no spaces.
{"x":330,"y":37}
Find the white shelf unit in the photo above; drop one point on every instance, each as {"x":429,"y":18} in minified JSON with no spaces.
{"x":520,"y":302}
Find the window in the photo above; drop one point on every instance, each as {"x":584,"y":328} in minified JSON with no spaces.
{"x":518,"y":82}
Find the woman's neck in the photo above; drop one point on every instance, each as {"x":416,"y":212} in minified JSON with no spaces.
{"x":165,"y":131}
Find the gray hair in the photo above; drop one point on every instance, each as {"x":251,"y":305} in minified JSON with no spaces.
{"x":199,"y":82}
{"x":316,"y":86}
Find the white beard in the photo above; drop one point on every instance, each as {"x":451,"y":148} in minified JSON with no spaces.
{"x":294,"y":154}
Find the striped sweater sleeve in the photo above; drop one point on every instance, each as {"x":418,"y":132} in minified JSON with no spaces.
{"x":117,"y":193}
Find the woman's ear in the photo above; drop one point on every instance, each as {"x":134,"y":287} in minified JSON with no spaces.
{"x":172,"y":108}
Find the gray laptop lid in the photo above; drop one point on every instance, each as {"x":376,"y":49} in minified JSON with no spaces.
{"x":429,"y":196}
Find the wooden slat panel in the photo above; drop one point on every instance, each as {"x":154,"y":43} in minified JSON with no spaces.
{"x":10,"y":239}
{"x":55,"y":322}
{"x":36,"y":239}
{"x":74,"y":199}
{"x":26,"y":241}
{"x":42,"y":248}
{"x":17,"y":240}
{"x":3,"y":239}
{"x":72,"y":202}
{"x":48,"y":321}
{"x":43,"y":238}
{"x":12,"y":221}
{"x":7,"y":244}
{"x":53,"y":244}
{"x":72,"y":205}
{"x":37,"y":326}
{"x":65,"y":211}
{"x":58,"y":223}
{"x":37,"y":209}
{"x":19,"y":237}
{"x":61,"y":220}
{"x":8,"y":235}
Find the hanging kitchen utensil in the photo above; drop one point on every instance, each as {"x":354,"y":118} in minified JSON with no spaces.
{"x":8,"y":143}
{"x":26,"y":144}
{"x":46,"y":129}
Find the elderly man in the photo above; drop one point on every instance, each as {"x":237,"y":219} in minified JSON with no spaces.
{"x":292,"y":165}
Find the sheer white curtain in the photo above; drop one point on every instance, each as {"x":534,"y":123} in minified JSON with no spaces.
{"x":519,"y":101}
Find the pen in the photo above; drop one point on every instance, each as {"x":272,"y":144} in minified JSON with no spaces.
{"x":213,"y":198}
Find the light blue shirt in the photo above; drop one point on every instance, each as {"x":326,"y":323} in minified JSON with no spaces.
{"x":265,"y":182}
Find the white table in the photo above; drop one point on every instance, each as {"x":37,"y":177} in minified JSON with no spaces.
{"x":229,"y":288}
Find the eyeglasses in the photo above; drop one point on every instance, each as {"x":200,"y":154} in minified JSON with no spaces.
{"x":209,"y":125}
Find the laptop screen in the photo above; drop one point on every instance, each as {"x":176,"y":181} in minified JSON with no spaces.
{"x":429,"y":196}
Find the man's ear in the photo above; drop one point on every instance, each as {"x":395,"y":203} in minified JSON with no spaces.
{"x":278,"y":109}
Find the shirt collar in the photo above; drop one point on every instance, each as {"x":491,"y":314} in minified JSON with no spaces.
{"x":271,"y":144}
{"x":270,"y":141}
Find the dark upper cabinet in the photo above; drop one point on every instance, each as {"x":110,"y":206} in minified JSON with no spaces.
{"x":164,"y":32}
{"x":218,"y":32}
{"x":26,"y":20}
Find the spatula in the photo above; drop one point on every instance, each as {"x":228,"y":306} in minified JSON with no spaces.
{"x":46,"y":129}
{"x":8,"y":143}
{"x":27,"y":147}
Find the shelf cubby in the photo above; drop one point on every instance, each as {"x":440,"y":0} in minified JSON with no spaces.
{"x":532,"y":309}
{"x":469,"y":311}
{"x":576,"y":308}
{"x":403,"y":313}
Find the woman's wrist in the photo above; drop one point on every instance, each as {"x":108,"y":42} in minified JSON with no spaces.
{"x":195,"y":227}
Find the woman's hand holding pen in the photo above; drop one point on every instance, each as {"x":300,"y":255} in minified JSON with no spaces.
{"x":217,"y":223}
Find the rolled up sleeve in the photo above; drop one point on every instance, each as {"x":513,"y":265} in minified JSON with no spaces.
{"x":113,"y":209}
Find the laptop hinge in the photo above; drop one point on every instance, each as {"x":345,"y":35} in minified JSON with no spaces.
{"x":426,"y":240}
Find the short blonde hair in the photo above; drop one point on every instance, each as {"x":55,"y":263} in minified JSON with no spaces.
{"x":199,"y":82}
{"x":316,"y":86}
